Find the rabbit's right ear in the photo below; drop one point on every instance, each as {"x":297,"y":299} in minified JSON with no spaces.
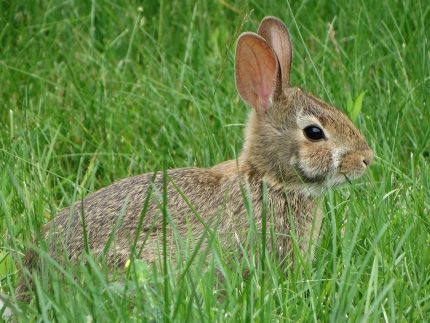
{"x":277,"y":36}
{"x":256,"y":71}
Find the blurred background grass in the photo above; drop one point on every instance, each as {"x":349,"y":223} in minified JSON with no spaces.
{"x":94,"y":91}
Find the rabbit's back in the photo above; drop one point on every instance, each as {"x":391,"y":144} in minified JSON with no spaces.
{"x":132,"y":204}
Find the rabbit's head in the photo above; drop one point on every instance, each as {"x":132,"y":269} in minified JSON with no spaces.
{"x":292,"y":137}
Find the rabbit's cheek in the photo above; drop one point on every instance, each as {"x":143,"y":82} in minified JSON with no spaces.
{"x":315,"y":162}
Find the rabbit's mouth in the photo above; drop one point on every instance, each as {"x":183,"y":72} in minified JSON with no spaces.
{"x":331,"y":179}
{"x":355,"y":174}
{"x":344,"y":177}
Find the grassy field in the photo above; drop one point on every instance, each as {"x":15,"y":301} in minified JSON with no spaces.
{"x":94,"y":91}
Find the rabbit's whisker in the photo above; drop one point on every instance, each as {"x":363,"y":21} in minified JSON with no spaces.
{"x":347,"y":178}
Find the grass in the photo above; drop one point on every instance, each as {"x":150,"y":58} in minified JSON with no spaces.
{"x":93,"y":91}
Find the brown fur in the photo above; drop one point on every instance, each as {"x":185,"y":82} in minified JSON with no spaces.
{"x":276,"y":150}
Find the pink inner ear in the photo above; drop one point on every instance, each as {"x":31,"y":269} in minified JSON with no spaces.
{"x":256,"y":70}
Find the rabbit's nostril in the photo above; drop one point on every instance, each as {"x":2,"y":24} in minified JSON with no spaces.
{"x":366,"y":158}
{"x":366,"y":161}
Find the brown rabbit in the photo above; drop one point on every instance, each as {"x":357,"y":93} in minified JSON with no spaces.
{"x":295,"y":142}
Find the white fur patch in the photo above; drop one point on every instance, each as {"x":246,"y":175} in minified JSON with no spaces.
{"x":306,"y":120}
{"x":335,"y":180}
{"x":336,"y":156}
{"x":308,"y":189}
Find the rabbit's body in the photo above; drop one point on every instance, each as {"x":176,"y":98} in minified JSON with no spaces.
{"x":198,"y":201}
{"x":295,"y":143}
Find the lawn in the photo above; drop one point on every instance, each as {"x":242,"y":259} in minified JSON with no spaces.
{"x":95,"y":91}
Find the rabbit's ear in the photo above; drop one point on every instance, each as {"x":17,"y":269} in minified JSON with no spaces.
{"x":256,"y":71}
{"x":277,"y":36}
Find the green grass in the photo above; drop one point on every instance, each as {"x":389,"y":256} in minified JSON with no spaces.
{"x":93,"y":91}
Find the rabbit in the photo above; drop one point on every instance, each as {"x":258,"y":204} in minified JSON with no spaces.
{"x":296,"y":146}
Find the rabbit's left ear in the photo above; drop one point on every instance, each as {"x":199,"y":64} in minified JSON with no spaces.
{"x":277,"y":36}
{"x":257,"y":71}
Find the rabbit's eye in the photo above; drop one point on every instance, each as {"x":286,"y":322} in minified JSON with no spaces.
{"x":314,"y":133}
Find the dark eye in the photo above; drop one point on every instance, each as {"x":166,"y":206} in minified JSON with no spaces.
{"x":314,"y":133}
